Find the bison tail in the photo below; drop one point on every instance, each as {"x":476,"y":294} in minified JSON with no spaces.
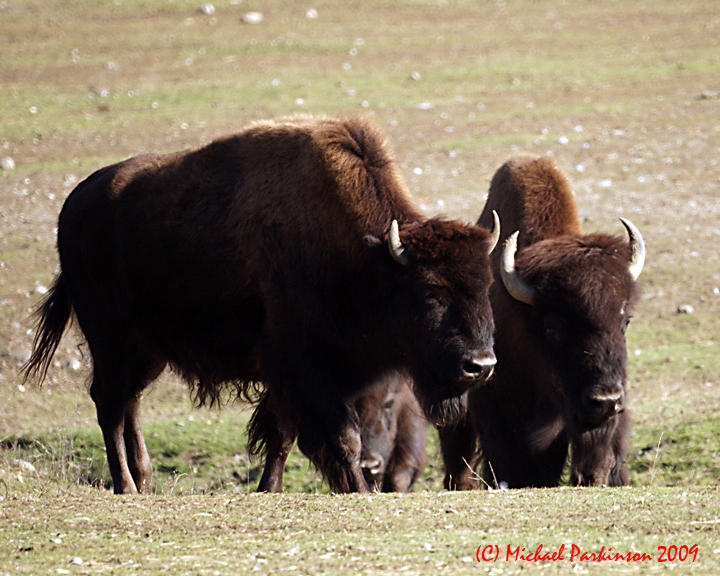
{"x":53,"y":315}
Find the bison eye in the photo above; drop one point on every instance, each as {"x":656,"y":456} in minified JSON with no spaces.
{"x":625,"y":323}
{"x":389,"y":404}
{"x":555,"y":329}
{"x":437,"y":308}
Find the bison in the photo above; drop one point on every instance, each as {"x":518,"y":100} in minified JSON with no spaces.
{"x":393,"y":431}
{"x":562,"y":301}
{"x":392,"y":434}
{"x":289,"y":254}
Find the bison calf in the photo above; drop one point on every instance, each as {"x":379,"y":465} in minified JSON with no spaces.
{"x":392,"y":434}
{"x":289,"y":254}
{"x":562,"y":301}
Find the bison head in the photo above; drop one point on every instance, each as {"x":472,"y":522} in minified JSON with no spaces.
{"x":441,"y":322}
{"x":377,"y":412}
{"x":579,"y":291}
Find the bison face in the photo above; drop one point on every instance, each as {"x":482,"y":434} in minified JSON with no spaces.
{"x":587,"y":357}
{"x":442,"y":317}
{"x":459,"y":332}
{"x":377,"y":413}
{"x":579,"y":292}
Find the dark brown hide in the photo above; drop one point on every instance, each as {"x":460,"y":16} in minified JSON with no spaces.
{"x":560,"y":359}
{"x":392,"y":428}
{"x":263,"y":256}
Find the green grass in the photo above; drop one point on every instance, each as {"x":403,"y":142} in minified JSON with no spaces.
{"x":82,"y":531}
{"x":668,"y":452}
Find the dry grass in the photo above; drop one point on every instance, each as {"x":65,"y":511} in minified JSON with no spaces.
{"x":49,"y":530}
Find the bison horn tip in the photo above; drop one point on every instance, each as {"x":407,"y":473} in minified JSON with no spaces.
{"x":637,"y":248}
{"x":494,"y":232}
{"x":514,"y":284}
{"x":397,"y":251}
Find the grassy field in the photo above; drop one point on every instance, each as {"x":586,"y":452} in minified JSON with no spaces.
{"x":83,"y":531}
{"x":624,"y":95}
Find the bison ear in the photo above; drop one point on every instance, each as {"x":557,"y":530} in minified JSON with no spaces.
{"x":389,"y":250}
{"x":378,"y":251}
{"x":372,"y":241}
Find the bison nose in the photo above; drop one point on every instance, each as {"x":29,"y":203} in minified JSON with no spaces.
{"x":600,"y":407}
{"x":372,"y":464}
{"x":480,"y":367}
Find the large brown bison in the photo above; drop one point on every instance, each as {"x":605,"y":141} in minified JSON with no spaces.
{"x":562,"y":301}
{"x":392,"y":433}
{"x":289,"y":253}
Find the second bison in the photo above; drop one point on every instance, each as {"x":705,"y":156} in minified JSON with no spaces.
{"x":562,"y":301}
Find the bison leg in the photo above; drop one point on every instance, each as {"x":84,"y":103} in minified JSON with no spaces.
{"x":591,"y":463}
{"x":107,"y":338}
{"x":598,"y":455}
{"x":339,"y":460}
{"x":327,"y":429}
{"x":620,"y":475}
{"x":273,"y":427}
{"x":400,"y":479}
{"x":459,"y":451}
{"x":533,"y":468}
{"x":111,"y":417}
{"x":119,"y":375}
{"x":278,"y":450}
{"x":404,"y":469}
{"x":332,"y":441}
{"x":515,"y":458}
{"x":137,"y":454}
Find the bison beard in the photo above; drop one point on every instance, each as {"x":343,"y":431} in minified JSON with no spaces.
{"x":561,"y":302}
{"x":444,"y":411}
{"x":288,"y":254}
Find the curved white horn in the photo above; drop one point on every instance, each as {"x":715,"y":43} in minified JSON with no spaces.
{"x":516,"y":286}
{"x":494,"y":233}
{"x":397,"y":251}
{"x":637,"y":247}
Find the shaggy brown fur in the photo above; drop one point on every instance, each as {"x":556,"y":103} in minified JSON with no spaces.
{"x":555,"y":358}
{"x":392,"y":433}
{"x":263,"y":257}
